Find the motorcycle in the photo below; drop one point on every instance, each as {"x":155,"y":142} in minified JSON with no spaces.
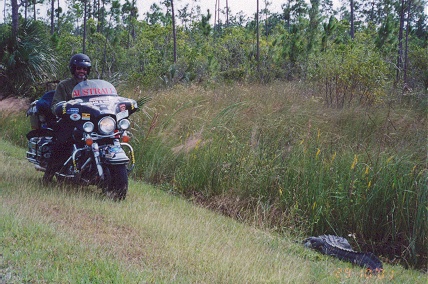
{"x":100,"y":153}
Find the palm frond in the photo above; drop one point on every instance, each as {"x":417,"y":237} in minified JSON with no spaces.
{"x":27,"y":59}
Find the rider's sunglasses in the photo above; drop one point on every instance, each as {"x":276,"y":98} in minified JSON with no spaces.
{"x":78,"y":68}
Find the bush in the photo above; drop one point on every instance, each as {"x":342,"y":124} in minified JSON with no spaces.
{"x":349,"y":75}
{"x":26,"y":60}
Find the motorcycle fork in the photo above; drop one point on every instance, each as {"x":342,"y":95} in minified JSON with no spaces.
{"x":96,"y":151}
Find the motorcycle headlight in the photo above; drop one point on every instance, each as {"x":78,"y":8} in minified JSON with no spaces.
{"x":88,"y":127}
{"x":107,"y":125}
{"x":124,"y":124}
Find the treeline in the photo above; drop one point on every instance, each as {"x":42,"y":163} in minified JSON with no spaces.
{"x":356,"y":53}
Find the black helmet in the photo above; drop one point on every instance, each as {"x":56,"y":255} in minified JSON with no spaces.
{"x":81,"y":60}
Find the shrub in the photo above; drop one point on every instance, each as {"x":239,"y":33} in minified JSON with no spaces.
{"x":27,"y":59}
{"x":348,"y":75}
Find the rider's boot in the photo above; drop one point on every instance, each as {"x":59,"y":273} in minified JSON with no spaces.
{"x":52,"y":167}
{"x":49,"y":173}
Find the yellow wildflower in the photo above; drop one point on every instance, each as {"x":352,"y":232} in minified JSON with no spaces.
{"x":333,"y":157}
{"x":354,"y":163}
{"x":367,"y":170}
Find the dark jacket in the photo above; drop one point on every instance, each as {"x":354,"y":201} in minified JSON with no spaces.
{"x":63,"y":91}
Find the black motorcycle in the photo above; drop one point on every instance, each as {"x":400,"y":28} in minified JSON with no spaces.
{"x":99,"y":153}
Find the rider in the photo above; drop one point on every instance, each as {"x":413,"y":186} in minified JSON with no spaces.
{"x":80,"y":66}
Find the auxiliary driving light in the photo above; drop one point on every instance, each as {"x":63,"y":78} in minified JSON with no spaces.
{"x":124,"y":124}
{"x":88,"y":127}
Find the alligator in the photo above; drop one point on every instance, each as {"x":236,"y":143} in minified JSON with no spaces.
{"x":339,"y":247}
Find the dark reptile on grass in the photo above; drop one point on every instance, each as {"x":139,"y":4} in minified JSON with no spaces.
{"x":339,"y":247}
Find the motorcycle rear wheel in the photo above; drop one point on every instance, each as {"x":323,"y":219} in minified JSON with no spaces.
{"x":115,"y":185}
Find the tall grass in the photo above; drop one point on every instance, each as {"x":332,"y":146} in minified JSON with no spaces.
{"x":14,"y":127}
{"x":276,"y":157}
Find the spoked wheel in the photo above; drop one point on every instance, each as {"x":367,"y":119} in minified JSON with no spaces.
{"x":115,"y":184}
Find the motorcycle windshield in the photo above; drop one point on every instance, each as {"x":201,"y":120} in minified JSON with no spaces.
{"x":91,"y":88}
{"x":93,"y":99}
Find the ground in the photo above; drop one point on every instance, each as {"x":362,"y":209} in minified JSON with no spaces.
{"x":13,"y":104}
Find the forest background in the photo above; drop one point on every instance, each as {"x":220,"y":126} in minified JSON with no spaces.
{"x":361,"y":69}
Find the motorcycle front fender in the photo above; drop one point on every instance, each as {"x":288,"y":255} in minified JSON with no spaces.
{"x":114,"y":155}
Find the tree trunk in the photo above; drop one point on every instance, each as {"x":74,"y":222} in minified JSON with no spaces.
{"x":52,"y":16}
{"x":372,"y":15}
{"x":57,"y":18}
{"x":215,"y":14}
{"x":400,"y":41}
{"x":267,"y":3}
{"x":133,"y":18}
{"x":25,"y":10}
{"x":15,"y":18}
{"x":84,"y":29}
{"x":258,"y":38}
{"x":352,"y":31}
{"x":218,"y":14}
{"x":227,"y":13}
{"x":174,"y":36}
{"x":101,"y":18}
{"x":406,"y":61}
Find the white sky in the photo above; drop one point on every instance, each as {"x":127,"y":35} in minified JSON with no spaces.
{"x":247,"y":6}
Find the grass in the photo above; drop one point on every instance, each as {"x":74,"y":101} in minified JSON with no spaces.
{"x":69,"y":235}
{"x":273,"y":156}
{"x":293,"y":163}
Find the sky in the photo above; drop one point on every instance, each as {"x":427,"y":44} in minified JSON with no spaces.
{"x":248,"y":7}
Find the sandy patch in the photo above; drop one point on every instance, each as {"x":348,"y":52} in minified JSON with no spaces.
{"x":12,"y":104}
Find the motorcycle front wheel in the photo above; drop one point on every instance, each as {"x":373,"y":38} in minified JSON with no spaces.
{"x":115,"y":184}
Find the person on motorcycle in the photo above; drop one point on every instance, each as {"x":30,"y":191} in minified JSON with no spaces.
{"x":80,"y":67}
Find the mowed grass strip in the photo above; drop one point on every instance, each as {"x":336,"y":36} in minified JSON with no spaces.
{"x":67,"y":234}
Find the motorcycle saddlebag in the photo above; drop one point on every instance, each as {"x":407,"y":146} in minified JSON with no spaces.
{"x":40,"y":113}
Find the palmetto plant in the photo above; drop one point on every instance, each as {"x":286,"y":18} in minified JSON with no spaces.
{"x":26,"y":59}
